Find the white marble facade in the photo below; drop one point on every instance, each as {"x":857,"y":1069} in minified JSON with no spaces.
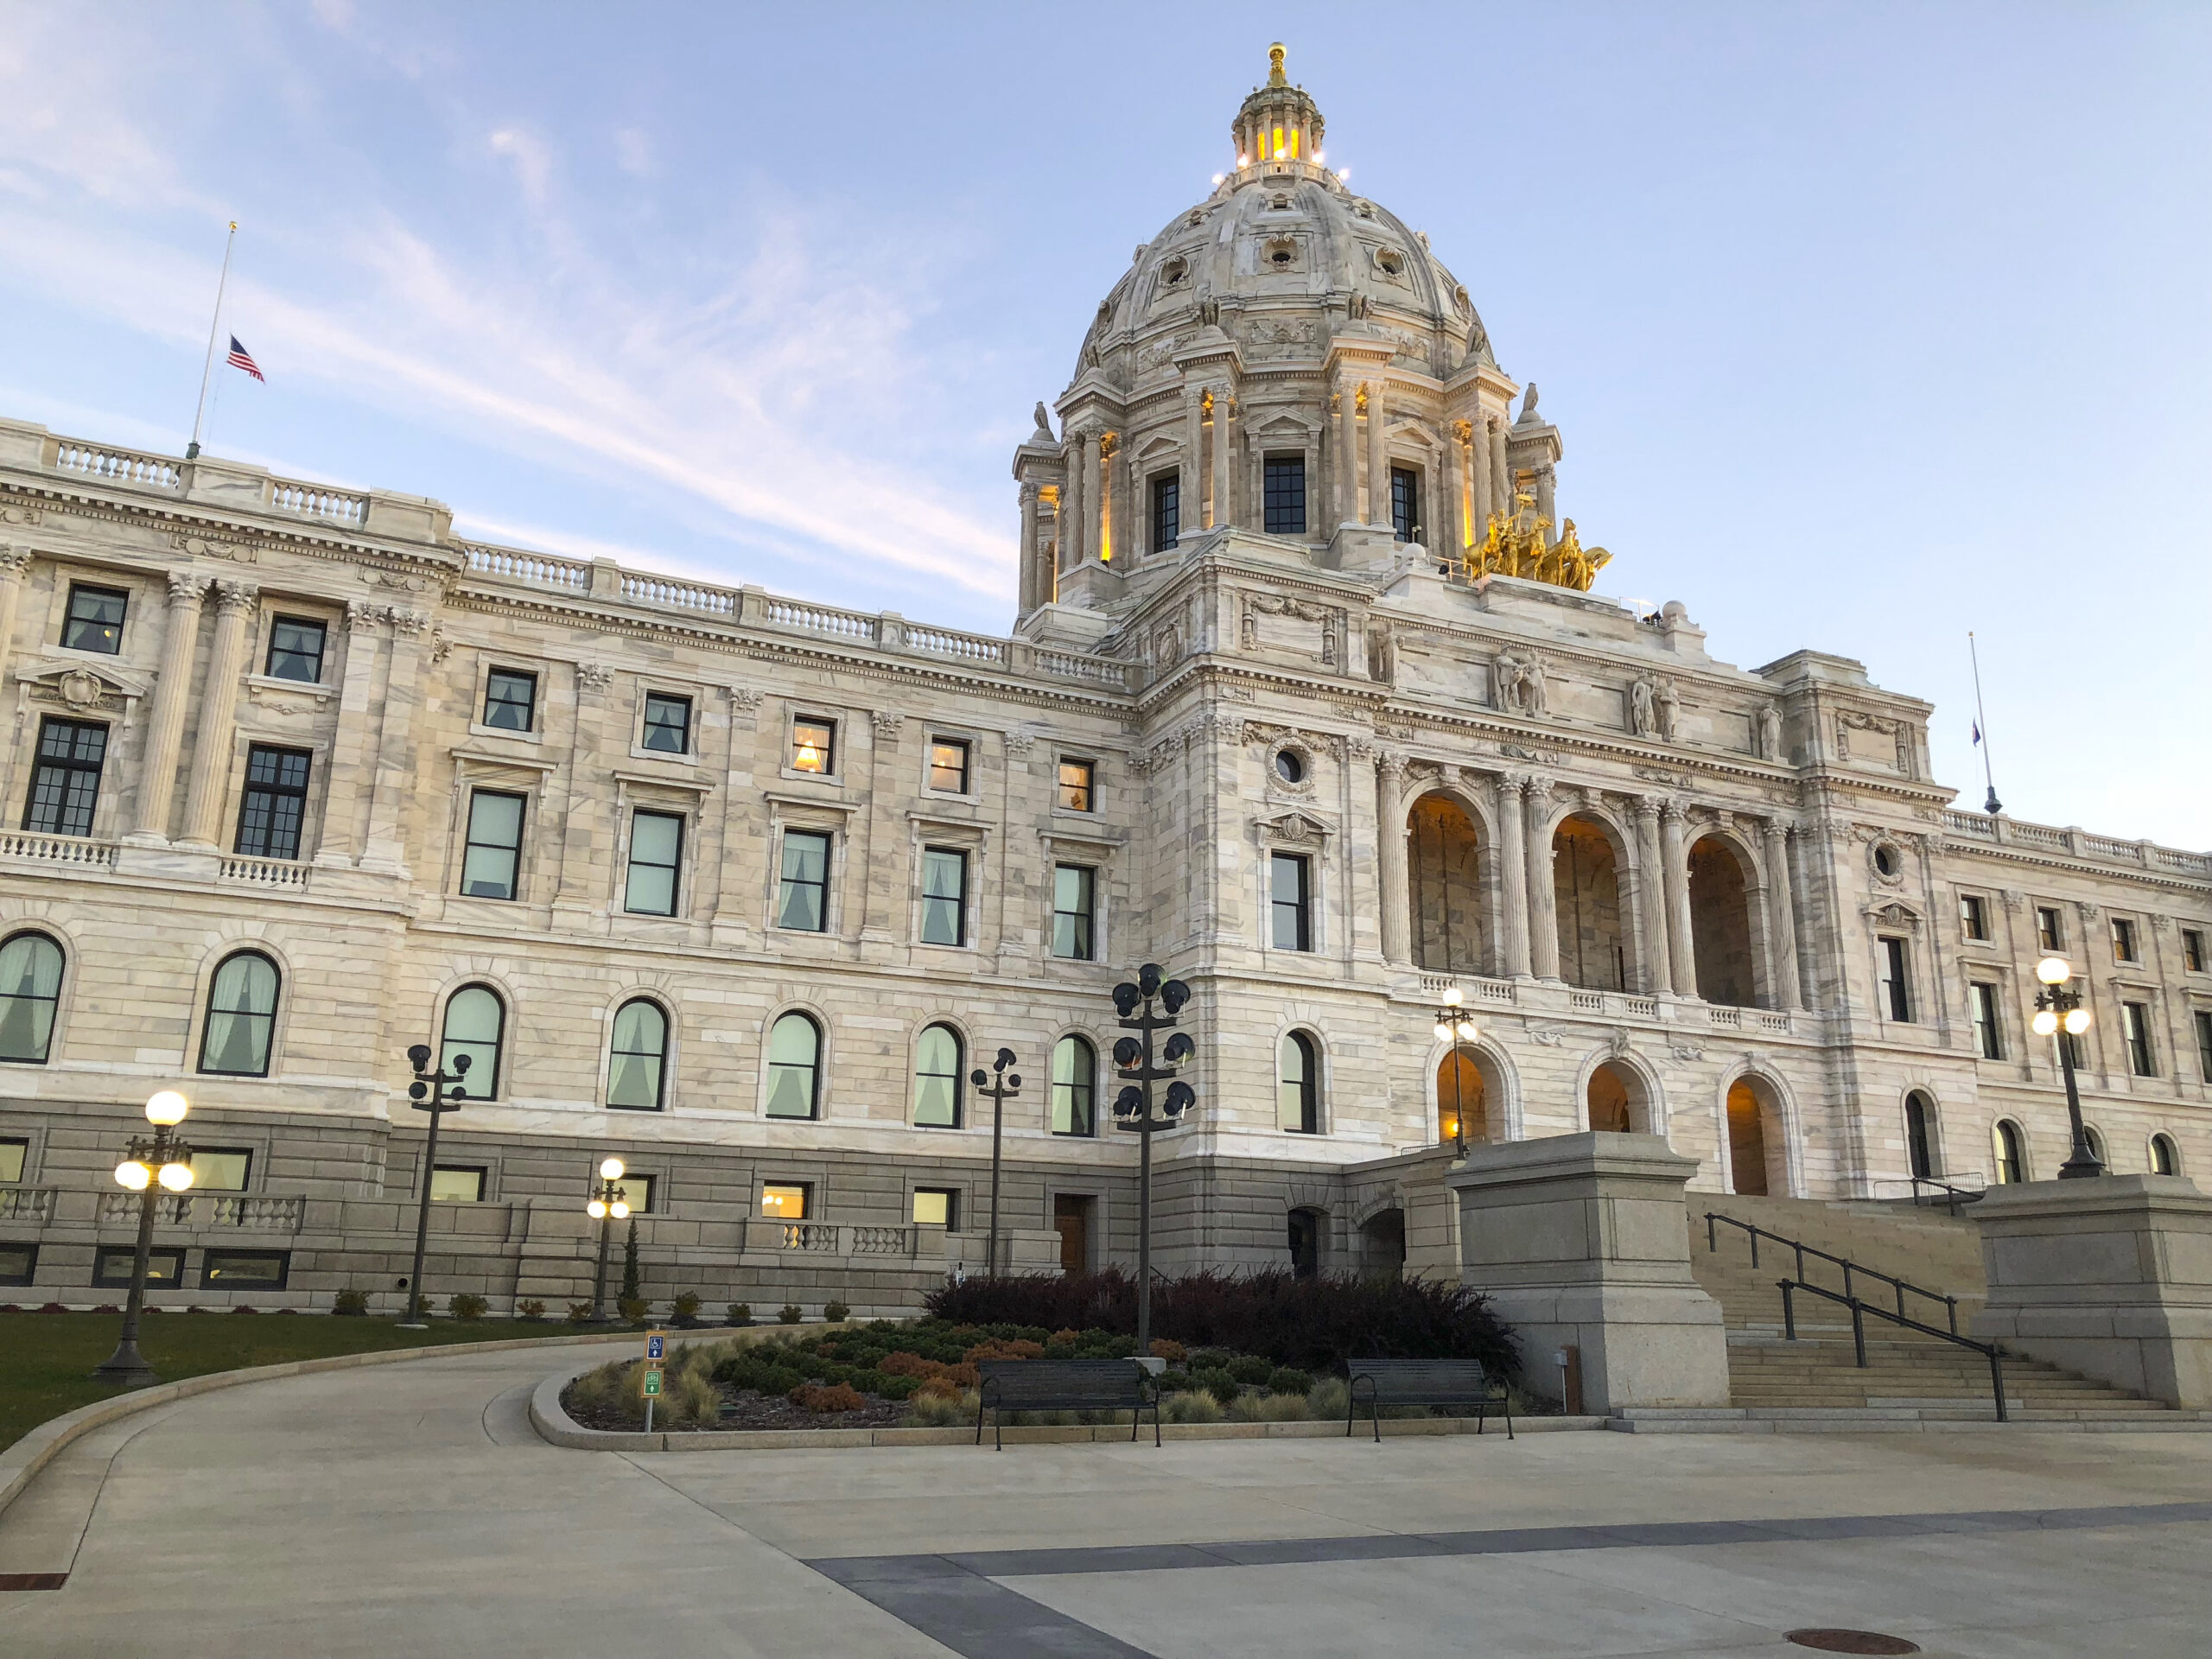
{"x":1653,"y":874}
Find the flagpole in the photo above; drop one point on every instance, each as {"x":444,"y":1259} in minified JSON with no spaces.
{"x":1992,"y":805}
{"x":215,"y":327}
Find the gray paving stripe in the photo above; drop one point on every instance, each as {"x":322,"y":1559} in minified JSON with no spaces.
{"x":980,"y":1619}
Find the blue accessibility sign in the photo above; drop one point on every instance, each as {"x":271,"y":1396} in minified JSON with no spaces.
{"x":655,"y":1344}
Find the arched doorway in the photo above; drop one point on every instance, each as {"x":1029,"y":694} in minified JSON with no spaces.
{"x":1616,"y":1100}
{"x":1304,"y":1242}
{"x":1920,"y":1134}
{"x":1462,"y":1099}
{"x":1586,"y":894}
{"x":1753,"y":1169}
{"x":1720,"y":923}
{"x":1382,"y":1244}
{"x":1445,"y":887}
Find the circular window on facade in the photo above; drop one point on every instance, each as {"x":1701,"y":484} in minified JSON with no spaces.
{"x":1290,"y":766}
{"x":1174,"y":271}
{"x":1390,"y":262}
{"x":1887,"y":862}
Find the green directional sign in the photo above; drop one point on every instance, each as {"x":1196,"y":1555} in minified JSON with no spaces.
{"x":653,"y":1383}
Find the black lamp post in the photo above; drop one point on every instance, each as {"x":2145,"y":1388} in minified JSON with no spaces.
{"x":436,"y":1093}
{"x":160,"y":1159}
{"x":996,"y":1084}
{"x":1133,"y":1106}
{"x":1453,"y":1027}
{"x":2057,"y":1006}
{"x":609,"y":1203}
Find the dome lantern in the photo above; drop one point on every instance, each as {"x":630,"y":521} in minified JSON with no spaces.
{"x":1278,"y":123}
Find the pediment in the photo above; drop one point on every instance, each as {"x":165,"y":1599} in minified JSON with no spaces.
{"x":80,"y":687}
{"x":1297,"y":828}
{"x":1895,"y":915}
{"x":1285,"y":424}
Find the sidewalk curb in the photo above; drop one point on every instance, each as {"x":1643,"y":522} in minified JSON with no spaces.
{"x":20,"y":1463}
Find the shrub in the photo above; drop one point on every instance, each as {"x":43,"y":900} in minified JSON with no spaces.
{"x":907,"y":1364}
{"x":835,"y":1312}
{"x":530,"y":1309}
{"x":940,"y":1410}
{"x":827,"y":1396}
{"x":243,"y":1308}
{"x":579,"y":1313}
{"x":739,"y":1314}
{"x":1168,"y":1349}
{"x":109,"y":1307}
{"x":683,"y":1310}
{"x":944,"y":1388}
{"x":1011,"y":1348}
{"x":466,"y":1307}
{"x":1198,"y":1406}
{"x":419,"y":1304}
{"x":631,"y":1308}
{"x":691,"y":1396}
{"x":1329,"y":1397}
{"x":1285,"y":1379}
{"x":352,"y":1303}
{"x":1220,"y":1385}
{"x":1174,"y":1382}
{"x":1313,"y":1324}
{"x":788,"y":1314}
{"x":1250,"y":1370}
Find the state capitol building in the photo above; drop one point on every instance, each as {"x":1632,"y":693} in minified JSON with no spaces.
{"x":1314,"y":696}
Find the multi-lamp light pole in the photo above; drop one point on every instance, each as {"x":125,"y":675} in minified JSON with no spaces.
{"x":610,"y":1203}
{"x":2056,"y":1005}
{"x":1133,"y":1107}
{"x":1453,"y":1027}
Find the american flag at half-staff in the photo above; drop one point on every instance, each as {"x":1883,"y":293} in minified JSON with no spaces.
{"x":240,"y":359}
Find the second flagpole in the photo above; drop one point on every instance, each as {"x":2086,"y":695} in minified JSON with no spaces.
{"x":214,"y":329}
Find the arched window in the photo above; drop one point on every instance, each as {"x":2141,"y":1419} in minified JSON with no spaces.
{"x":1298,"y":1104}
{"x":241,"y":1016}
{"x":794,"y":1067}
{"x":2097,"y":1144}
{"x":30,"y":990}
{"x":1075,"y":1073}
{"x":636,"y":1069}
{"x":1920,"y":1133}
{"x":937,"y":1078}
{"x":2011,"y":1152}
{"x":2166,"y":1156}
{"x":1304,"y":1242}
{"x":476,"y":1025}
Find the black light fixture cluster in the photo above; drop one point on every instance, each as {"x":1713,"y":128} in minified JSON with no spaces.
{"x":1133,"y":1107}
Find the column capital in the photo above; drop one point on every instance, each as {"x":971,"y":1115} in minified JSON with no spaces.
{"x":1028,"y":493}
{"x":14,"y":560}
{"x":1777,"y":829}
{"x":1539,"y":785}
{"x":186,"y":590}
{"x":236,"y":595}
{"x":1676,"y":809}
{"x":361,"y":614}
{"x":1391,"y":763}
{"x":1512,"y":782}
{"x":1647,"y":806}
{"x":405,"y":620}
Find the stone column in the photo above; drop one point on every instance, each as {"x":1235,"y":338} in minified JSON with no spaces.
{"x":1501,"y":473}
{"x":1029,"y":573}
{"x":1781,"y":926}
{"x":1191,"y":485}
{"x":1072,"y":547}
{"x":1094,"y":497}
{"x":172,"y":693}
{"x":14,"y":564}
{"x":1347,"y":456}
{"x":1479,"y":471}
{"x":384,"y":847}
{"x":236,"y":602}
{"x":1680,"y":953}
{"x":349,"y":750}
{"x":1378,"y":458}
{"x":1513,"y":875}
{"x":1224,"y":508}
{"x":1546,"y":500}
{"x":1390,"y":847}
{"x":1544,"y":903}
{"x":1651,"y":890}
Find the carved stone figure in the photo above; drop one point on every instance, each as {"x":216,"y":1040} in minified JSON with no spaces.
{"x":1670,"y":702}
{"x":1641,"y":720}
{"x":1770,"y":733}
{"x":1517,"y":684}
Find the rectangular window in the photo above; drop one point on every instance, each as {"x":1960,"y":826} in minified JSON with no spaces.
{"x":220,"y":1169}
{"x":786,"y":1200}
{"x":937,"y":1206}
{"x":2192,"y":950}
{"x":510,"y":699}
{"x":296,"y":648}
{"x":668,"y":724}
{"x":1897,"y":988}
{"x":66,"y":783}
{"x":1988,"y":1039}
{"x":457,"y":1183}
{"x":2076,"y":1051}
{"x":493,"y":861}
{"x":244,"y":1269}
{"x":656,"y":854}
{"x":1974,"y":916}
{"x":1286,"y":495}
{"x":18,"y":1263}
{"x":803,"y":900}
{"x":1072,"y":886}
{"x":2203,"y":1044}
{"x":274,"y":803}
{"x":1405,"y":503}
{"x":638,"y":1192}
{"x":944,"y":896}
{"x":1290,"y":899}
{"x":2123,"y":939}
{"x":1166,"y":510}
{"x":13,"y":1151}
{"x":2049,"y":935}
{"x":949,"y":764}
{"x":1077,"y":777}
{"x":112,"y":1265}
{"x":2135,"y":1025}
{"x":814,"y":746}
{"x":95,"y":619}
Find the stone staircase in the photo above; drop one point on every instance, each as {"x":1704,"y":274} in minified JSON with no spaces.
{"x":1911,"y":1382}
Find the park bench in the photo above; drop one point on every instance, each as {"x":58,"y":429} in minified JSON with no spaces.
{"x":1425,"y":1382}
{"x":1065,"y":1385}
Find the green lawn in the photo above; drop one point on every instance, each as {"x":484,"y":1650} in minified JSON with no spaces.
{"x":46,"y":1360}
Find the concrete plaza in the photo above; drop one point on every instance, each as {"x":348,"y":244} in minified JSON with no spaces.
{"x":409,"y":1509}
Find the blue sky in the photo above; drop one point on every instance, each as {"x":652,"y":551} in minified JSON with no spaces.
{"x":1865,"y":325}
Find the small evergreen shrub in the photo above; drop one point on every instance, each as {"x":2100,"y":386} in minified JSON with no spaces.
{"x":1251,"y":1371}
{"x":1220,"y":1385}
{"x":579,"y":1313}
{"x":353,"y":1304}
{"x":633,"y":1310}
{"x":243,"y":1308}
{"x":683,"y":1310}
{"x":835,"y":1312}
{"x":530,"y":1309}
{"x":1286,"y":1379}
{"x":788,"y":1314}
{"x":467,"y":1307}
{"x":738,"y":1314}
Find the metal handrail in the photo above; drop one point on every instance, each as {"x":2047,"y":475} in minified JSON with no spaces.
{"x":1900,"y":1285}
{"x":1952,"y":1196}
{"x":1859,"y":1309}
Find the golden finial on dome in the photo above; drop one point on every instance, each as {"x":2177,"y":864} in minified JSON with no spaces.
{"x":1275,"y":77}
